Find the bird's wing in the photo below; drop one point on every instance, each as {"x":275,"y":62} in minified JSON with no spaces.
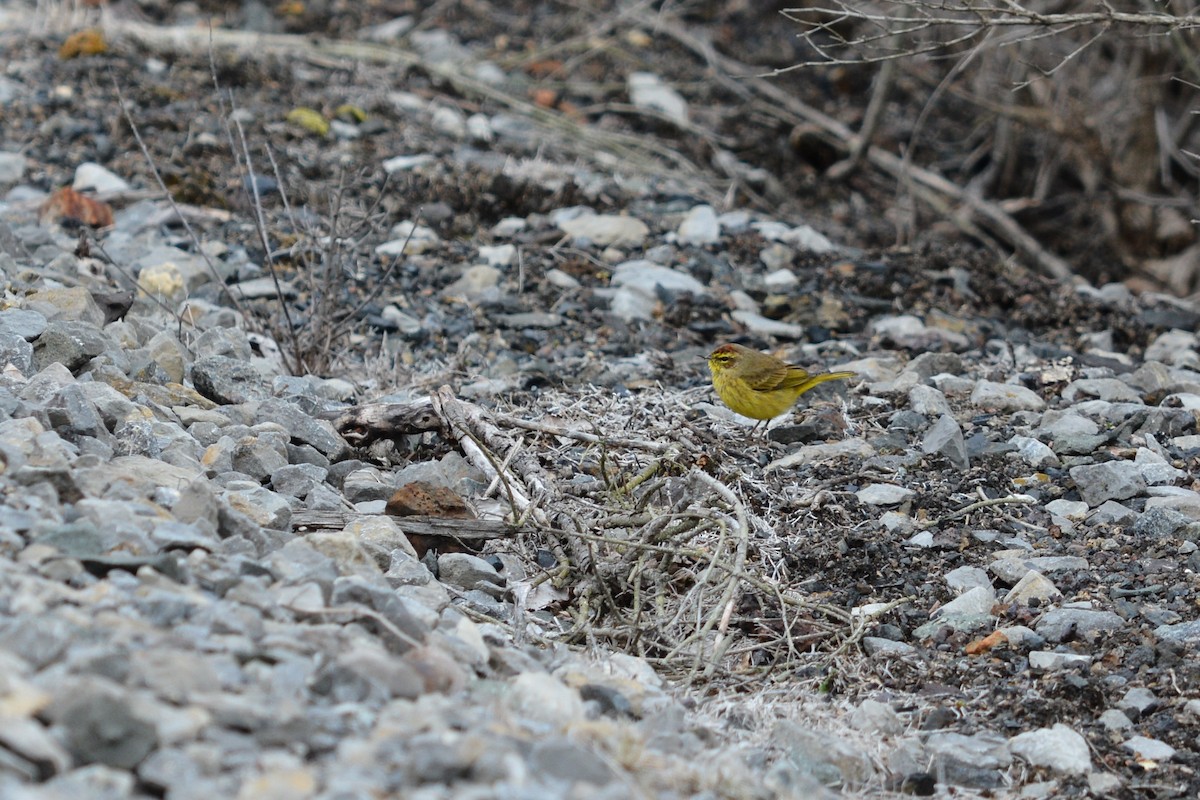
{"x":781,"y":377}
{"x":794,"y":377}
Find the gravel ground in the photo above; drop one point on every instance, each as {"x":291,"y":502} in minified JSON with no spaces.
{"x":970,"y":571}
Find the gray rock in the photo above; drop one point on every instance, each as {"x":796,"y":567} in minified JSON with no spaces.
{"x":1060,"y":748}
{"x":302,"y":428}
{"x":873,"y":716}
{"x":382,"y":538}
{"x":259,"y":456}
{"x":963,"y":578}
{"x":1167,"y":346}
{"x":1032,"y":586}
{"x":262,"y":506}
{"x":630,"y":304}
{"x":367,"y":673}
{"x":70,"y":343}
{"x":228,"y":381}
{"x":884,"y":494}
{"x":976,"y":601}
{"x":354,"y":589}
{"x":1112,"y":480}
{"x":1138,"y":702}
{"x":15,"y":350}
{"x":297,"y":480}
{"x":909,"y":332}
{"x":1150,"y":749}
{"x":222,"y":341}
{"x":830,"y":759}
{"x":699,"y":227}
{"x":945,"y":437}
{"x":1063,"y":624}
{"x":1051,"y":661}
{"x":298,"y":561}
{"x":1161,"y":523}
{"x":928,"y":401}
{"x":1111,"y":512}
{"x":1187,"y":633}
{"x":542,"y":698}
{"x":1114,"y":720}
{"x":102,"y":727}
{"x":1109,"y":390}
{"x":90,"y":175}
{"x":66,"y":304}
{"x":973,"y":761}
{"x":72,"y":415}
{"x":764,"y":326}
{"x":571,"y":763}
{"x":12,"y":168}
{"x":170,"y":770}
{"x":1155,"y":469}
{"x":1056,"y":423}
{"x":452,"y":471}
{"x":469,"y":572}
{"x":1036,"y":453}
{"x":651,"y":279}
{"x":1005,"y":397}
{"x":606,"y":230}
{"x":174,"y":675}
{"x":365,"y":485}
{"x":647,"y":91}
{"x":95,"y":782}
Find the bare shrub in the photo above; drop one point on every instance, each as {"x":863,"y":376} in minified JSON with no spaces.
{"x":1081,"y":116}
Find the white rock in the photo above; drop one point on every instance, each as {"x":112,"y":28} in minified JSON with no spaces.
{"x":780,"y":280}
{"x":407,"y":163}
{"x":449,"y":121}
{"x":973,"y":602}
{"x":508,"y":227}
{"x":499,"y":255}
{"x":963,"y":578}
{"x":1060,"y":748}
{"x":89,"y":175}
{"x":606,"y":229}
{"x":408,"y":239}
{"x":1033,"y":584}
{"x":884,"y":494}
{"x":647,"y":277}
{"x":1051,"y":661}
{"x":12,"y":168}
{"x":805,"y":238}
{"x":479,"y":128}
{"x":1150,"y":749}
{"x":648,"y":92}
{"x":1155,"y":469}
{"x":764,"y":326}
{"x":1005,"y":397}
{"x":1035,"y":452}
{"x":1172,"y":347}
{"x":699,"y":227}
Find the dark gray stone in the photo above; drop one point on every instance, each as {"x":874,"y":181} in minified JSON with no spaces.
{"x":1062,"y":624}
{"x":72,"y":415}
{"x":229,"y":381}
{"x":23,"y":322}
{"x":101,"y":727}
{"x":70,"y":343}
{"x":302,"y":427}
{"x":15,"y":350}
{"x":297,"y":480}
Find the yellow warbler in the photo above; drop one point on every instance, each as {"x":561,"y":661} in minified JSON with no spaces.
{"x":758,"y":385}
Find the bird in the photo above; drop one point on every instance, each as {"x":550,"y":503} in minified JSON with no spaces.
{"x":761,"y":386}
